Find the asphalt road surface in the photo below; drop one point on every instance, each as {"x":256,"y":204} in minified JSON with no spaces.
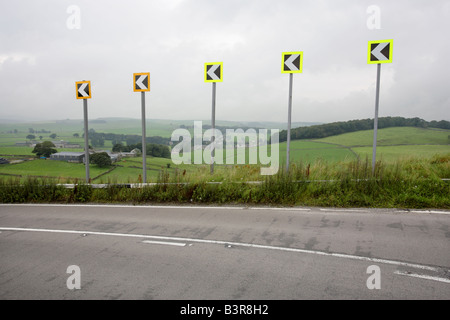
{"x":224,"y":253}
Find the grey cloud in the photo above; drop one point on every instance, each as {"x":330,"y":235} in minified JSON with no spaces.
{"x":40,"y":59}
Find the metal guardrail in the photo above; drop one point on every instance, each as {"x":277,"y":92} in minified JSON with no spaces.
{"x":152,"y":184}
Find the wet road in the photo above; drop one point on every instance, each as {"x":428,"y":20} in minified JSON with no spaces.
{"x":164,"y":252}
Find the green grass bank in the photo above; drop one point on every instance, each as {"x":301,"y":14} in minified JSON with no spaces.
{"x":411,"y":183}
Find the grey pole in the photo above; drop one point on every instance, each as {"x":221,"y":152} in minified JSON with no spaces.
{"x":213,"y":125}
{"x":291,"y":77}
{"x":86,"y":140}
{"x":375,"y":124}
{"x":144,"y":147}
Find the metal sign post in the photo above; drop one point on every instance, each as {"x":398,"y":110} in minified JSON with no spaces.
{"x":375,"y":121}
{"x":83,"y":91}
{"x":213,"y":125}
{"x":213,"y":73}
{"x":144,"y":144}
{"x":378,"y":52}
{"x":86,"y":140}
{"x":291,"y":62}
{"x":288,"y":151}
{"x":141,"y":83}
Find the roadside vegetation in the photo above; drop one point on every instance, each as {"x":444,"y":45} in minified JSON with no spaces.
{"x":411,"y":183}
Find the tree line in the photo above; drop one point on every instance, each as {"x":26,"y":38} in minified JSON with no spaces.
{"x":335,"y":128}
{"x":98,"y":139}
{"x":152,"y":149}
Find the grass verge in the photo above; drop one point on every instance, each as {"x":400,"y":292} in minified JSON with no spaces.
{"x":412,"y":183}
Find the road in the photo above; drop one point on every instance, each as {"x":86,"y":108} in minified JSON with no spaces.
{"x":223,"y":253}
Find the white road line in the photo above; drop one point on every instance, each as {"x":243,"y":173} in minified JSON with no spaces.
{"x":343,"y":210}
{"x":279,"y":209}
{"x":179,"y":244}
{"x":154,"y":207}
{"x":237,"y":244}
{"x":422,"y":276}
{"x":423,"y":211}
{"x":208,"y":207}
{"x":118,"y":206}
{"x":429,"y":211}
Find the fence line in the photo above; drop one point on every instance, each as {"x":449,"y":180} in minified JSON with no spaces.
{"x":152,"y":184}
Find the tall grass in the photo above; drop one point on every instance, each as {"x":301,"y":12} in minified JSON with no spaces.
{"x":409,"y":183}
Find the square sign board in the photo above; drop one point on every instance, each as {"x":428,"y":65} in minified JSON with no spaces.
{"x":141,"y":82}
{"x":292,"y":62}
{"x":83,"y":89}
{"x":380,"y":51}
{"x":214,"y":72}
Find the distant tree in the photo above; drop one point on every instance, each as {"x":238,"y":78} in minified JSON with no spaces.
{"x":166,"y":152}
{"x":53,"y":135}
{"x":98,"y":142}
{"x":76,"y":135}
{"x":41,"y":137}
{"x":443,"y":124}
{"x":132,"y":139}
{"x":101,"y":159}
{"x":30,"y":130}
{"x":154,"y":150}
{"x":31,"y":137}
{"x":118,"y":147}
{"x":158,"y":150}
{"x":44,"y":149}
{"x":114,"y":142}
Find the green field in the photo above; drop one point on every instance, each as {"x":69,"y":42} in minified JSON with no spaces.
{"x":300,"y":151}
{"x":394,"y":153}
{"x":392,"y":136}
{"x":311,"y":151}
{"x":49,"y":168}
{"x":393,"y":144}
{"x":124,"y":171}
{"x":16,"y":151}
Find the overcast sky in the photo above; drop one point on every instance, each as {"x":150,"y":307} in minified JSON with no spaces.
{"x":42,"y":56}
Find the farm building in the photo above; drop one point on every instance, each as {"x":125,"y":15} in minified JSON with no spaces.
{"x":65,"y":144}
{"x":114,"y":156}
{"x":68,"y":156}
{"x":26,"y":144}
{"x":133,"y":153}
{"x":78,"y":157}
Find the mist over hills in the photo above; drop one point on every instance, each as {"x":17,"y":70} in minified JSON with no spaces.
{"x":165,"y":127}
